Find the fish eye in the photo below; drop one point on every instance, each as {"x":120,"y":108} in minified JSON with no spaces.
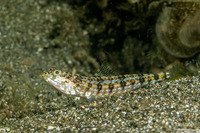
{"x":56,"y":72}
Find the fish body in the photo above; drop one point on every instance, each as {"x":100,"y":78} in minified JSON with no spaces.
{"x":99,"y":86}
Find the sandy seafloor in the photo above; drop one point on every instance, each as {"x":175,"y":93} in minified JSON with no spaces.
{"x":28,"y":47}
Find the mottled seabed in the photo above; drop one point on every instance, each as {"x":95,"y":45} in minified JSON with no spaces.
{"x":168,"y":106}
{"x":28,"y":47}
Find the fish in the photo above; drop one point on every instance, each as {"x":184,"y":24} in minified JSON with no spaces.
{"x":99,"y":86}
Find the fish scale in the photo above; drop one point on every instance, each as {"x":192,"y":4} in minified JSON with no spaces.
{"x":104,"y":86}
